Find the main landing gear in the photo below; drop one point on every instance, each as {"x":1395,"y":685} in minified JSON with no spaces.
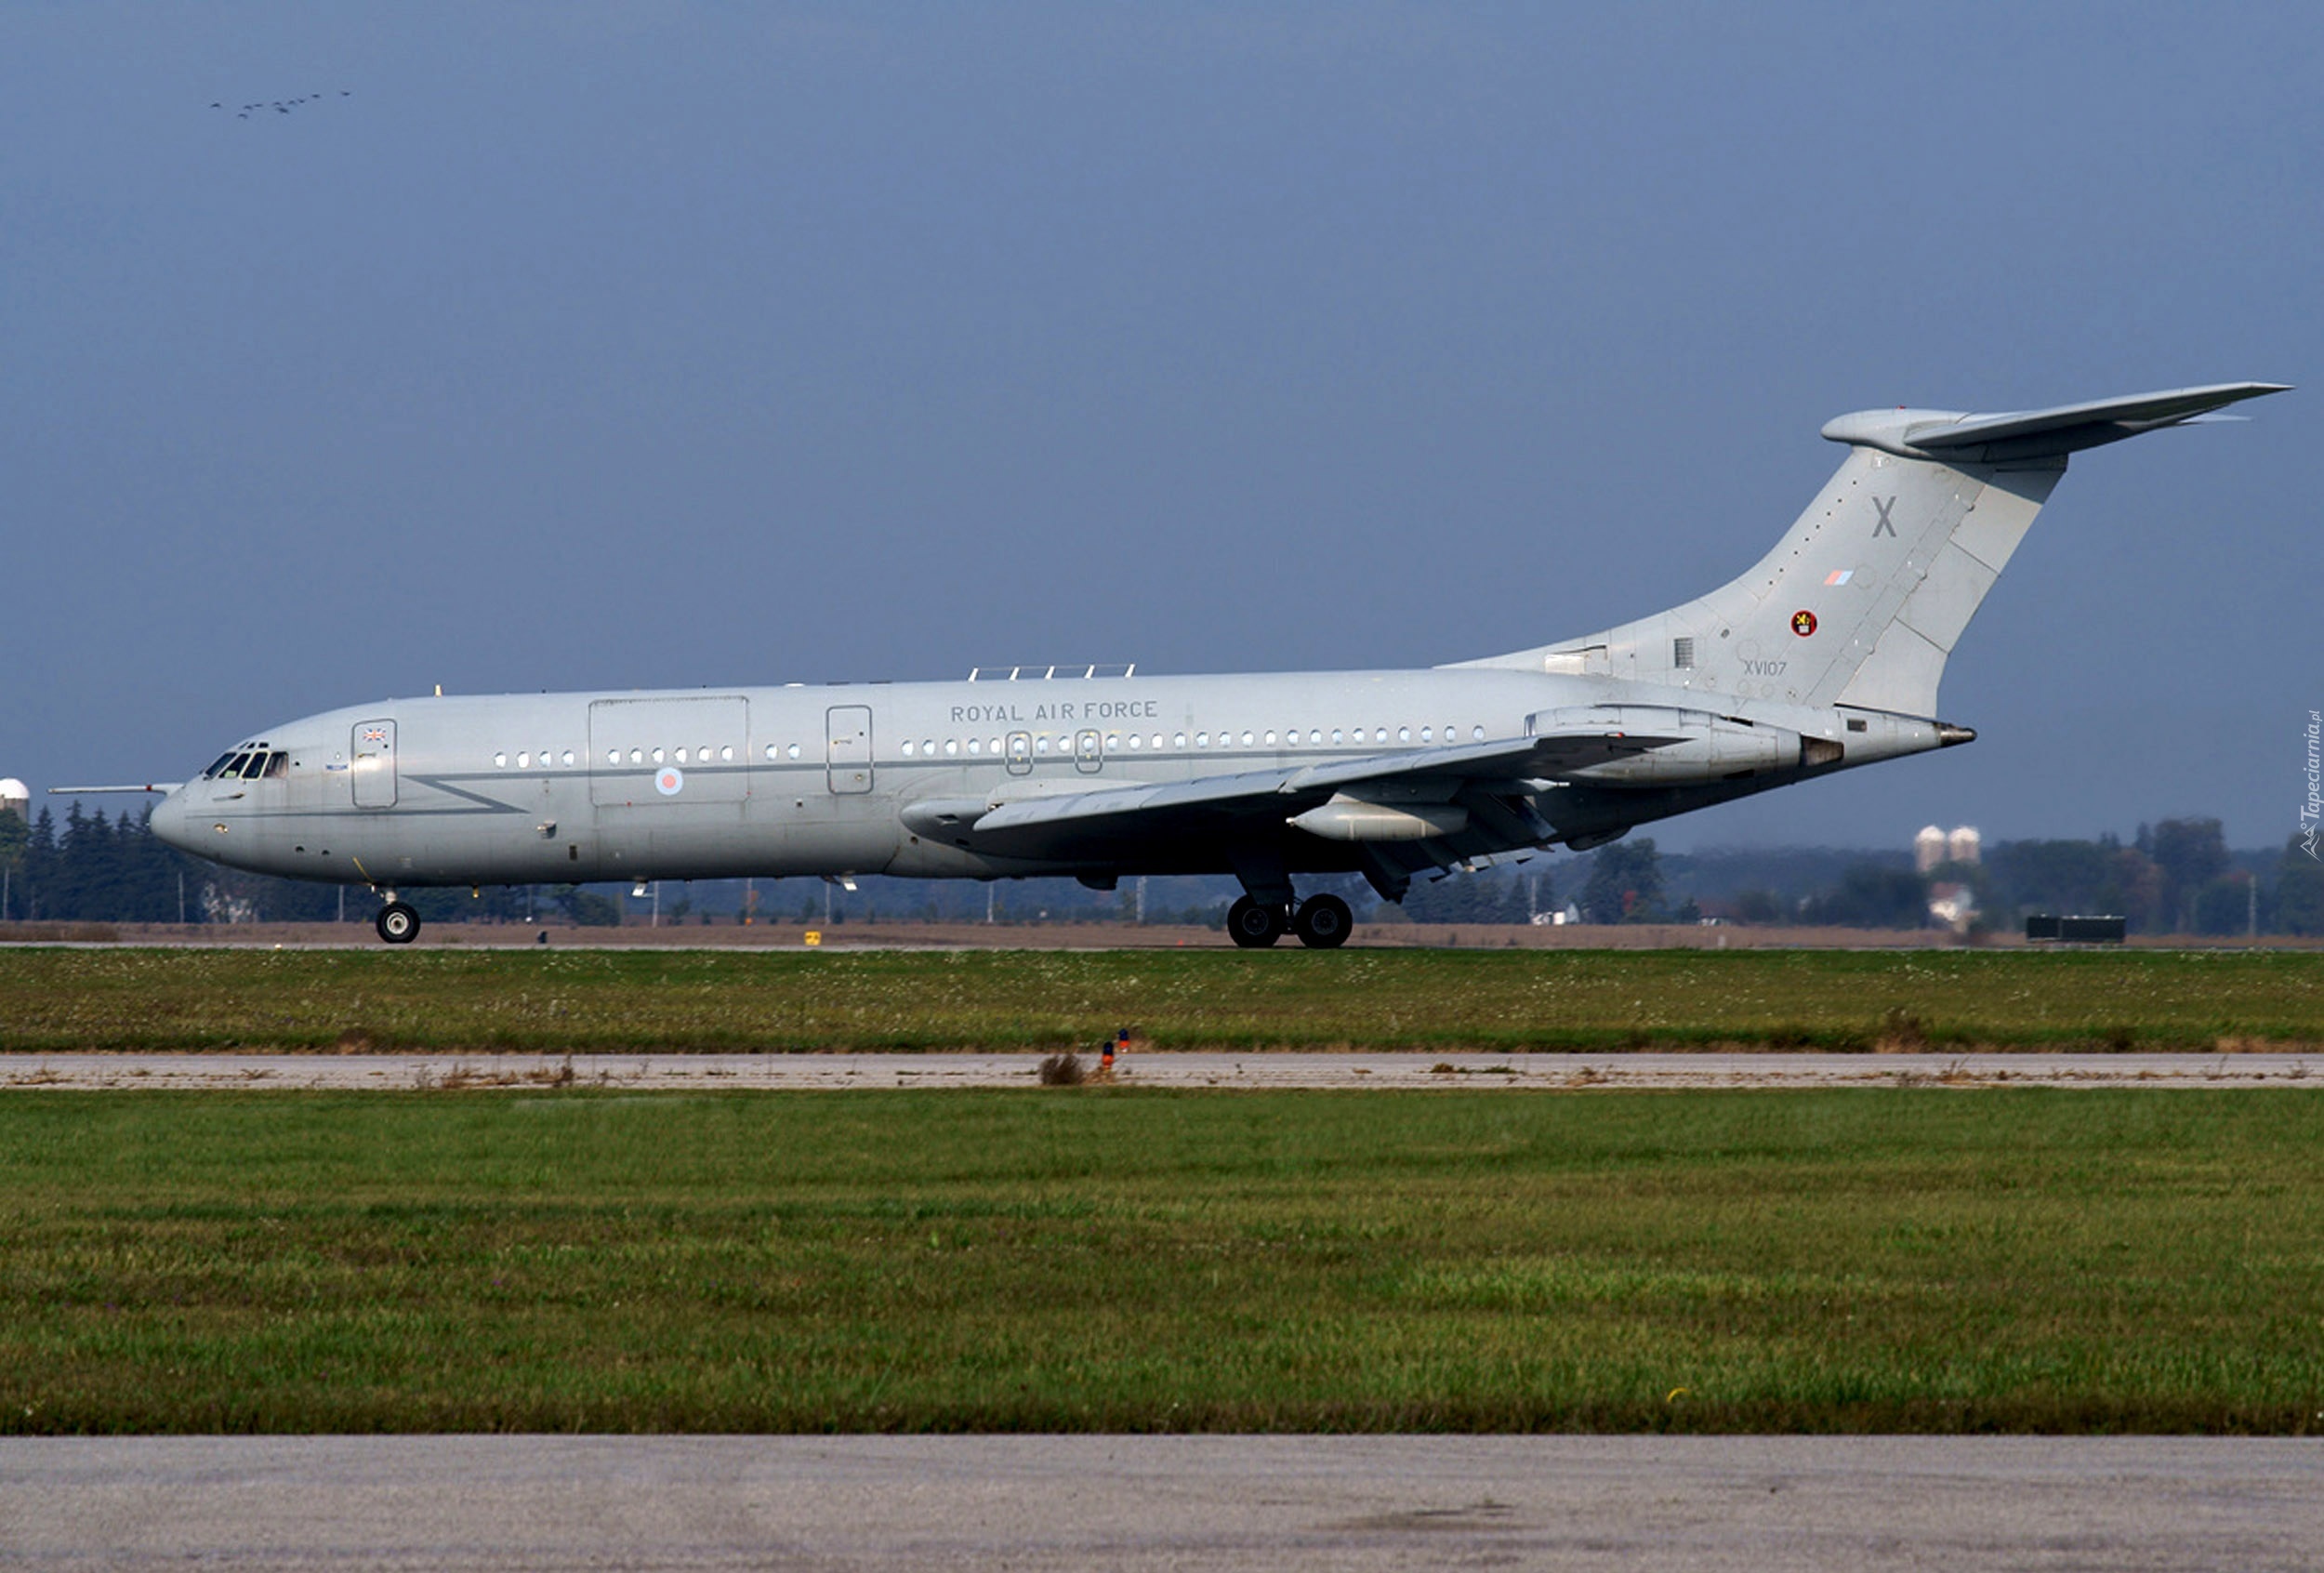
{"x":1321,"y":921}
{"x":396,"y":923}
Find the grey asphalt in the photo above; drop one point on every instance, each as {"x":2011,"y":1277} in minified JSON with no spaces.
{"x":1041,"y":1503}
{"x":829,"y":1072}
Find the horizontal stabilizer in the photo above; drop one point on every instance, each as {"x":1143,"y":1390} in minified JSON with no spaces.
{"x":2023,"y":436}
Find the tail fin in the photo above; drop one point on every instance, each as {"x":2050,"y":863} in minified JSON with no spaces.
{"x":1867,"y":594}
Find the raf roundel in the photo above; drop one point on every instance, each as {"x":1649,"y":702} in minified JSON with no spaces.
{"x":1803,"y":622}
{"x":669,"y":781}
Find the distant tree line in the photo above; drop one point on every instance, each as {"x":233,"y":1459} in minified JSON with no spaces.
{"x":2175,"y":876}
{"x":87,"y":867}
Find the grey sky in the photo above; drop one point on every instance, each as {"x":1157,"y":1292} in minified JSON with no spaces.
{"x":588,"y":345}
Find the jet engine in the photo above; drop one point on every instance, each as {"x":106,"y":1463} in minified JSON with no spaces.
{"x":1710,"y":748}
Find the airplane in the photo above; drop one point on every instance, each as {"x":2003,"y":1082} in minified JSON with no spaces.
{"x":1825,"y":656}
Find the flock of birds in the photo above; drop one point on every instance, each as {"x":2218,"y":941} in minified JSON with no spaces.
{"x":281,"y":106}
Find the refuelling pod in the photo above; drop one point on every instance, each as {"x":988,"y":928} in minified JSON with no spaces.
{"x":1354,"y":819}
{"x":1710,"y":747}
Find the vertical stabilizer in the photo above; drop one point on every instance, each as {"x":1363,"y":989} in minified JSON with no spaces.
{"x":1867,"y":594}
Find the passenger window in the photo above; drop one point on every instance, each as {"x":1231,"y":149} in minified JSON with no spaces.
{"x":726,"y":755}
{"x":500,"y":761}
{"x":1404,"y":734}
{"x":1476,"y":733}
{"x":794,"y":750}
{"x":568,"y":756}
{"x":1424,"y":734}
{"x":1178,"y":740}
{"x":682,"y":756}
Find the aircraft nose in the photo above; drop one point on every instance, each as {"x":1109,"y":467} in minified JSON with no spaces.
{"x":168,"y":823}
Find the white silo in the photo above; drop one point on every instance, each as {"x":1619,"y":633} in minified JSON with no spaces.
{"x":1964,"y":845}
{"x":15,"y":798}
{"x":1928,"y":849}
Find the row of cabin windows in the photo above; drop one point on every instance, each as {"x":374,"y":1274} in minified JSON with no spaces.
{"x":248,"y":765}
{"x":1116,"y":742}
{"x":526,"y":759}
{"x":1137,"y":742}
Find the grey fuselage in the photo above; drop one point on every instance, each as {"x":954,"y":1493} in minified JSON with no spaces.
{"x":1824,"y":656}
{"x":533,"y":788}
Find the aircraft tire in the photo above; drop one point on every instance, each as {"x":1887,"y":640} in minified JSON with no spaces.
{"x":396,"y":923}
{"x":1254,"y":925}
{"x":1323,"y":921}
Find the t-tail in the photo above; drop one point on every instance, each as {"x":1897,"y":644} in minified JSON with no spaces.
{"x":1867,"y":594}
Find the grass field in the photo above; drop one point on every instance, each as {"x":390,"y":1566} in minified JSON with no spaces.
{"x":102,"y":1000}
{"x":1101,"y":1260}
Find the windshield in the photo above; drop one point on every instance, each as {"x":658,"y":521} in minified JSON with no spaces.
{"x":248,"y":764}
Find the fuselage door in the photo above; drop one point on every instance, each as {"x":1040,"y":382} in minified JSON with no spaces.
{"x":1089,"y":752}
{"x":848,"y":747}
{"x":371,"y":747}
{"x":1020,"y":753}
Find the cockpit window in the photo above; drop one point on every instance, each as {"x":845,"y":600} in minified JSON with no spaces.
{"x":249,"y":764}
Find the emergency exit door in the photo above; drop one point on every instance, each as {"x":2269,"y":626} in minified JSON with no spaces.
{"x":370,"y":755}
{"x":847,"y":747}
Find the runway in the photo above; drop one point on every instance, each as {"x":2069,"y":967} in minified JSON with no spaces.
{"x":1176,"y":1502}
{"x":1167,"y":1069}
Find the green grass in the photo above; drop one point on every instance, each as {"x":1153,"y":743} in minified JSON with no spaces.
{"x":1042,"y":1000}
{"x":1103,"y":1260}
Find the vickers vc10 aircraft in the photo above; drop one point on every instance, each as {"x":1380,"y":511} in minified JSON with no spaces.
{"x":1826,"y":656}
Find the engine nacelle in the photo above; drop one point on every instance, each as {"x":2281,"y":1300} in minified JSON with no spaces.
{"x":1710,"y":747}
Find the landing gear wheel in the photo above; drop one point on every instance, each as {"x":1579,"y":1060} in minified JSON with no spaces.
{"x":396,"y":923}
{"x":1323,"y":921}
{"x":1255,"y":925}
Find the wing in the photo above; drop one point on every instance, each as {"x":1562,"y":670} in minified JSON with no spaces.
{"x":1440,"y":792}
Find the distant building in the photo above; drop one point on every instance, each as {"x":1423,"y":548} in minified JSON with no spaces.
{"x":15,"y":798}
{"x":1935,"y":847}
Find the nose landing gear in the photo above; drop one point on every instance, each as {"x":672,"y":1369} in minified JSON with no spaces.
{"x":396,"y":923}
